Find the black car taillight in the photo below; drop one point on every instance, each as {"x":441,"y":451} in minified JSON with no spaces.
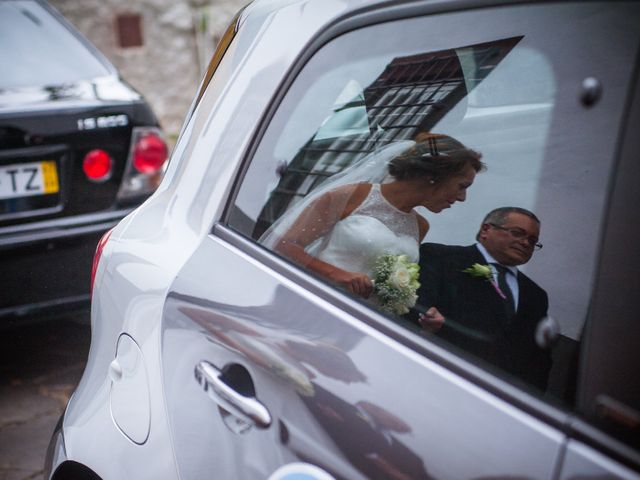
{"x":97,"y":165}
{"x":146,"y":163}
{"x":149,"y":153}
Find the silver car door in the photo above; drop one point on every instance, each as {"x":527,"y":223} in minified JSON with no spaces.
{"x":310,"y":376}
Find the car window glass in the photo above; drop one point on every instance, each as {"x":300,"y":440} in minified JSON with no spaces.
{"x":509,"y":90}
{"x":32,"y":40}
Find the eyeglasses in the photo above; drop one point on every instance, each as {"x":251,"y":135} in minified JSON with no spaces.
{"x":518,"y":234}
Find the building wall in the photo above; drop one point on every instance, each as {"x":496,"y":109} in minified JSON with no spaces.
{"x":178,"y":37}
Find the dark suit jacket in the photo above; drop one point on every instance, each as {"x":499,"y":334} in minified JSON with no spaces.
{"x":475,"y":316}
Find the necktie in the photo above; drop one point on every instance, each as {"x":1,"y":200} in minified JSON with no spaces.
{"x":502,"y":283}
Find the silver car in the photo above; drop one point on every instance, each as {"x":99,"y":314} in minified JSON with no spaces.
{"x":216,"y":355}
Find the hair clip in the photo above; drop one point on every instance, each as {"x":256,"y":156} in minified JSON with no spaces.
{"x":433,"y":146}
{"x":430,"y":154}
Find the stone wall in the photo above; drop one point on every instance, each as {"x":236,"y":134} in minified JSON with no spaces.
{"x":178,"y":38}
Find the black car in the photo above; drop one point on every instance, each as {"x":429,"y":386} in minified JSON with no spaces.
{"x":79,"y":148}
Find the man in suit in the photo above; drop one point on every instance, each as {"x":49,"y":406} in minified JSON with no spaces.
{"x":475,"y":297}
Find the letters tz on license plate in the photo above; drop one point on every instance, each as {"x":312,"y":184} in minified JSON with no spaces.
{"x":28,"y":179}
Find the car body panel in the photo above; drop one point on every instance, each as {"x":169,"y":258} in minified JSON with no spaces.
{"x":135,"y":308}
{"x":583,"y":461}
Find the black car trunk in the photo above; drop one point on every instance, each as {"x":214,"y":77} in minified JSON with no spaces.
{"x":42,"y":154}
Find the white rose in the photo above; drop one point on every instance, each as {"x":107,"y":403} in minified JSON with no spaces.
{"x":400,"y":278}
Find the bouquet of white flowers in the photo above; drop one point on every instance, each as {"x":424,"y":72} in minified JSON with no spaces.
{"x":395,"y":280}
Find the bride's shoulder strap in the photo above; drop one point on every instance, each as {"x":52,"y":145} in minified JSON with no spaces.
{"x":349,"y":196}
{"x":423,"y":226}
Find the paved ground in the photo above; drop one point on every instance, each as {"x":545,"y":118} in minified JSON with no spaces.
{"x":40,"y":364}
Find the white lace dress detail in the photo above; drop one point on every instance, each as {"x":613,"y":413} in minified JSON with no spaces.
{"x":374,"y":228}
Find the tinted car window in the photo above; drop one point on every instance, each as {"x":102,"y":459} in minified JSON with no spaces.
{"x":511,"y":89}
{"x":25,"y":27}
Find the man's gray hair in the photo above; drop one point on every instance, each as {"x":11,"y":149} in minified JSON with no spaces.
{"x":498,"y":216}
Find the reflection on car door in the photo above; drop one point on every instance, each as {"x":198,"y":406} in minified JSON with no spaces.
{"x":332,"y":390}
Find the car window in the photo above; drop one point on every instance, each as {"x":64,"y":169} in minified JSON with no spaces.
{"x":32,"y":40}
{"x":514,"y":89}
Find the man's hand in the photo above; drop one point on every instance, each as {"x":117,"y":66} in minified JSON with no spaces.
{"x":432,"y":320}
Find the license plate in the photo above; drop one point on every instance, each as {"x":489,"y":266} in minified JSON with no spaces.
{"x":28,"y":179}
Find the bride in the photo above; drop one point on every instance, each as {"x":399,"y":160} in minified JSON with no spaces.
{"x":341,"y":230}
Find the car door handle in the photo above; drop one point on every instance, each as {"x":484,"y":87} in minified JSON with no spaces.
{"x":248,"y":409}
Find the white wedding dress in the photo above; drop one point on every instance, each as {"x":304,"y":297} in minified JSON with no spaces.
{"x":374,"y":228}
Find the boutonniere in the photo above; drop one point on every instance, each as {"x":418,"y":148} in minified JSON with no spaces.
{"x":484,"y":271}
